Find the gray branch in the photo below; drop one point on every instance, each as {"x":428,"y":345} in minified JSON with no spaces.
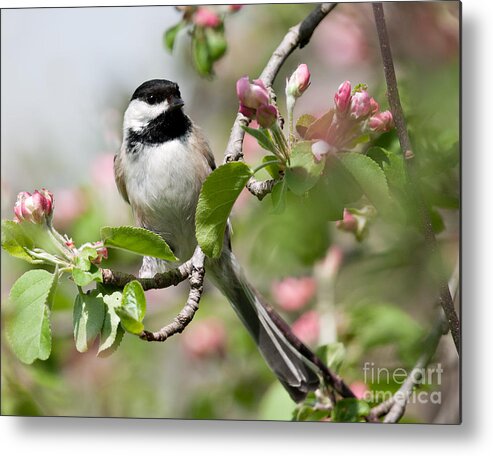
{"x":182,"y":320}
{"x":410,"y":158}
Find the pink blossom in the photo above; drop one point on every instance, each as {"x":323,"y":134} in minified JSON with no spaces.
{"x":320,"y":149}
{"x":251,"y":95}
{"x":205,"y":338}
{"x":70,"y":204}
{"x":294,"y":293}
{"x":342,"y":98}
{"x":348,"y":222}
{"x":204,"y":17}
{"x":299,"y":81}
{"x":33,"y":208}
{"x":360,"y":105}
{"x":101,"y":251}
{"x":307,"y":327}
{"x":381,"y":121}
{"x":374,"y":106}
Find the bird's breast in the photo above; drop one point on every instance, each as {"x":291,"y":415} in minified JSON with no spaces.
{"x":163,"y":183}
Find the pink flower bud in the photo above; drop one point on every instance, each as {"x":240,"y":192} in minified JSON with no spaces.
{"x":33,"y":208}
{"x":204,"y":17}
{"x":307,"y":327}
{"x":234,"y":8}
{"x":101,"y":250}
{"x":374,"y":107}
{"x":360,"y":105}
{"x":247,"y":112}
{"x":381,"y":121}
{"x":342,"y":98}
{"x":266,"y":115}
{"x":251,"y":95}
{"x":348,"y":222}
{"x":294,"y":293}
{"x":299,"y":81}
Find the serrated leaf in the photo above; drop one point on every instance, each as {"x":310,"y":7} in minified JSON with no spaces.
{"x":350,"y":410}
{"x":278,"y":195}
{"x":28,"y":322}
{"x":137,"y":240}
{"x":89,"y":311}
{"x":303,"y":172}
{"x":218,"y":194}
{"x":133,"y":307}
{"x":15,"y":240}
{"x":170,"y":36}
{"x":370,"y":178}
{"x":263,"y":138}
{"x":109,"y":334}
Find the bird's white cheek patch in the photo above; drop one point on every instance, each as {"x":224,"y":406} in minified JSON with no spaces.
{"x":139,"y":113}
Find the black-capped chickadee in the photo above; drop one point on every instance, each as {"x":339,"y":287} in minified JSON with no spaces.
{"x":159,"y":171}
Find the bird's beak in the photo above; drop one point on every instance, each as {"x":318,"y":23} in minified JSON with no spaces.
{"x":175,"y":103}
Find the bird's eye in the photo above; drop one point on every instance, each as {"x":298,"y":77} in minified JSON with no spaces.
{"x":150,"y":98}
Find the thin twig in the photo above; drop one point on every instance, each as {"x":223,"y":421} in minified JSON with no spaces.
{"x":298,"y":36}
{"x":394,"y":408}
{"x":186,"y":315}
{"x":161,"y":280}
{"x":445,"y":298}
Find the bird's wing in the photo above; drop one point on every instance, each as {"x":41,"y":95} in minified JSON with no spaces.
{"x":120,"y":177}
{"x":203,"y":147}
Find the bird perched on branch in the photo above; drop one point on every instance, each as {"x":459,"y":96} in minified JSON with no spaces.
{"x":159,"y":171}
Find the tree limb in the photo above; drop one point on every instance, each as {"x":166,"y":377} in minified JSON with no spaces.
{"x":186,"y":315}
{"x":445,"y":298}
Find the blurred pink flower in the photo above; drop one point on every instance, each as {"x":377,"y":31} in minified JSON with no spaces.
{"x":348,"y":222}
{"x":102,"y":172}
{"x":204,"y":17}
{"x":205,"y":338}
{"x":294,"y":293}
{"x":331,"y":264}
{"x":307,"y":327}
{"x":234,"y":8}
{"x":70,"y":204}
{"x":342,"y":41}
{"x":359,"y":388}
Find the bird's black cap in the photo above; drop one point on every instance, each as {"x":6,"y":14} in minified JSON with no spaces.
{"x":158,"y":90}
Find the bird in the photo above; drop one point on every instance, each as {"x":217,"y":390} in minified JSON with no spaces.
{"x":159,"y":170}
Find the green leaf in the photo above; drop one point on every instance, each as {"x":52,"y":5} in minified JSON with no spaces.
{"x":28,"y":325}
{"x":216,"y":42}
{"x":332,"y":355}
{"x":370,"y":177}
{"x":273,"y":169}
{"x":111,"y":333}
{"x":201,"y":54}
{"x":350,"y":410}
{"x":303,"y":172}
{"x":278,"y":195}
{"x":137,"y":240}
{"x":83,"y":278}
{"x":89,"y":313}
{"x":303,"y":123}
{"x":263,"y":138}
{"x":170,"y":36}
{"x":133,"y":308}
{"x":14,"y":240}
{"x":218,"y":194}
